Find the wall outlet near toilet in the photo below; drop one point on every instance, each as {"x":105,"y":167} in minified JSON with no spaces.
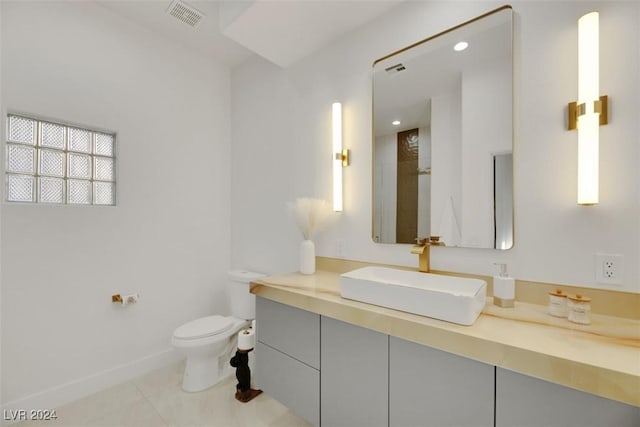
{"x":125,"y":299}
{"x":609,"y":269}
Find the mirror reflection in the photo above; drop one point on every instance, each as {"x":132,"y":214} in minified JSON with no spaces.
{"x":442,"y":118}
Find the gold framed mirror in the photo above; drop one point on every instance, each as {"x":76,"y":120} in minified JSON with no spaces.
{"x":443,"y":137}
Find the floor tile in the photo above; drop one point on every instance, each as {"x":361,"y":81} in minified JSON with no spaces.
{"x":139,"y":414}
{"x":81,"y":412}
{"x":212,"y":407}
{"x":157,"y":400}
{"x":161,"y":381}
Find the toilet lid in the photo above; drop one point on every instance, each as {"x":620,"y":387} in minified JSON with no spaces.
{"x":203,"y":327}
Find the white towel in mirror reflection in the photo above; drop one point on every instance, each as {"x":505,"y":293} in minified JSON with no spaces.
{"x":449,"y":230}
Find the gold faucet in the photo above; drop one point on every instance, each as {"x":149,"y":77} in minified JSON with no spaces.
{"x":422,"y":249}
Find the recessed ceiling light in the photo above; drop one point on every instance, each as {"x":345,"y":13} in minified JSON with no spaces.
{"x":395,"y":122}
{"x":460,"y":46}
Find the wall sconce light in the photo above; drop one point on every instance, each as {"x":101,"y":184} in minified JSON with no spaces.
{"x":591,"y":109}
{"x":340,"y":157}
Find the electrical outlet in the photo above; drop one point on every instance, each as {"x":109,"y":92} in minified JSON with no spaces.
{"x":609,"y":269}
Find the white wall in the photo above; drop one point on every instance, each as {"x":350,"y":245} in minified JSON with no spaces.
{"x":168,"y":236}
{"x":485,"y":132}
{"x":281,"y":130}
{"x":424,"y":182}
{"x":1,"y":198}
{"x":386,"y":188}
{"x":446,"y":167}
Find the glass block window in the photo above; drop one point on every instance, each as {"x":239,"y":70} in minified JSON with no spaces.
{"x":55,"y":163}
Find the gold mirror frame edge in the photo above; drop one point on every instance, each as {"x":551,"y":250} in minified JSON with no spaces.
{"x":448,"y":30}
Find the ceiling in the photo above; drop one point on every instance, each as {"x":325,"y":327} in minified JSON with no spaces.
{"x":282,"y":31}
{"x":433,"y":68}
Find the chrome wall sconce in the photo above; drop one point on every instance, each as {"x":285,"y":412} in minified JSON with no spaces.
{"x":590,"y":111}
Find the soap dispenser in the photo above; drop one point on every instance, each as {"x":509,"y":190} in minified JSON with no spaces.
{"x":504,"y":288}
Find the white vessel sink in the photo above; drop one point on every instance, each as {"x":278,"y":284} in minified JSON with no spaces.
{"x":454,"y":299}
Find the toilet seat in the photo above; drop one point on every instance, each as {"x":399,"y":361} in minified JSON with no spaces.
{"x":203,"y":328}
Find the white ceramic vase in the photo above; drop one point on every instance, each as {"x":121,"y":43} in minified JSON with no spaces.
{"x":307,"y":257}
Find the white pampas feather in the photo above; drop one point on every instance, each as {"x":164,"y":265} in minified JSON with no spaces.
{"x":310,"y":215}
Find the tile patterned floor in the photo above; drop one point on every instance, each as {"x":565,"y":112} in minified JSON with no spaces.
{"x":157,"y":399}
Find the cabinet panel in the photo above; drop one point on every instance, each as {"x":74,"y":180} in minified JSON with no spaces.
{"x":353,"y":375}
{"x":526,"y":401}
{"x":290,"y":382}
{"x":288,"y":329}
{"x":430,"y":387}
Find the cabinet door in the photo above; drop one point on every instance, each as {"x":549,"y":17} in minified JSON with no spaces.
{"x":353,"y":375}
{"x":289,"y":381}
{"x":292,"y":331}
{"x":526,"y":401}
{"x":429,"y":387}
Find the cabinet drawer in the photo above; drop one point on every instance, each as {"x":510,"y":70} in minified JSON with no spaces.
{"x":354,"y":376}
{"x":526,"y":401}
{"x":292,"y":383}
{"x":288,"y":329}
{"x":431,"y":387}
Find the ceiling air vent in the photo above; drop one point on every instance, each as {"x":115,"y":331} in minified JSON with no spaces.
{"x":185,"y":13}
{"x":395,"y":69}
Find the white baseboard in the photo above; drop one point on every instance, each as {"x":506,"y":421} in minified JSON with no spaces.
{"x":77,"y":389}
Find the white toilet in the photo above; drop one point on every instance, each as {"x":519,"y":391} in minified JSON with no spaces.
{"x":210,"y":342}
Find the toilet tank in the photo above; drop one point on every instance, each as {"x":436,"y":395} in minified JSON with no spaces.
{"x":243,"y":303}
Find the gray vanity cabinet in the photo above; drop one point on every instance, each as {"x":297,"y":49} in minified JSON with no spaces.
{"x":288,"y":357}
{"x":339,"y":374}
{"x":429,"y":387}
{"x":353,"y":375}
{"x":526,"y":401}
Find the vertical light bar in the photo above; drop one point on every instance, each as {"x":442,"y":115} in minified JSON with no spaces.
{"x":337,"y":156}
{"x":588,"y":93}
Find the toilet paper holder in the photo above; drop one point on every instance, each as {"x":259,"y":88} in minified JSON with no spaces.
{"x":124,"y":300}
